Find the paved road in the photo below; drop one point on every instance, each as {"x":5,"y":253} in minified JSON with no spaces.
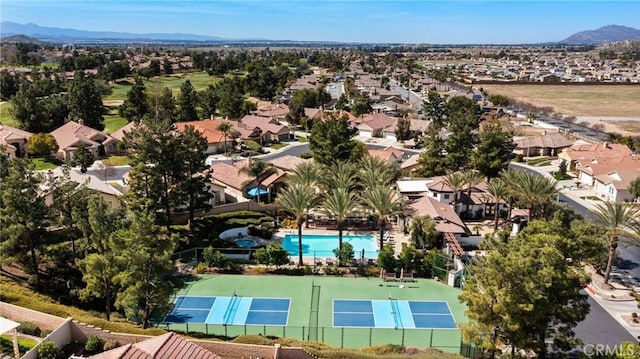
{"x":599,"y":328}
{"x":414,"y":99}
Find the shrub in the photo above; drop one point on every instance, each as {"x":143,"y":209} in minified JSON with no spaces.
{"x":306,"y":155}
{"x":634,"y":315}
{"x":110,"y":344}
{"x":93,"y":345}
{"x":49,"y":350}
{"x":29,"y":329}
{"x":201,"y":268}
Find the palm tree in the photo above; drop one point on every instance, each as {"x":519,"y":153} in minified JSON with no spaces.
{"x":471,"y":179}
{"x":455,"y":181}
{"x":338,"y":204}
{"x":307,"y":174}
{"x":510,"y":178}
{"x":384,"y":203}
{"x":225,"y":128}
{"x":373,"y":172}
{"x":298,"y":200}
{"x":341,"y":174}
{"x":258,"y":170}
{"x":533,"y":189}
{"x":499,"y":191}
{"x":618,"y":219}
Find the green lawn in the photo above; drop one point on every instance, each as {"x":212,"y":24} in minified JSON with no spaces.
{"x":199,"y":80}
{"x":24,"y":344}
{"x":46,"y":163}
{"x":299,"y":289}
{"x":5,"y":116}
{"x":113,"y":121}
{"x":591,"y":198}
{"x":277,"y":146}
{"x":561,"y":176}
{"x":117,"y":161}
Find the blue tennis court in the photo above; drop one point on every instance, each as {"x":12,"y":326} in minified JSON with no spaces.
{"x":230,"y":310}
{"x":398,"y":314}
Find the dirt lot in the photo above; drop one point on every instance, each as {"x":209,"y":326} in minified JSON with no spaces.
{"x":576,"y":100}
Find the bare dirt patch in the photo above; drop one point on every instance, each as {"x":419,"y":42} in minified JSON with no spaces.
{"x":576,"y":100}
{"x":112,"y":103}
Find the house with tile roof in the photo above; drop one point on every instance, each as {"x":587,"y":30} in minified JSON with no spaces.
{"x":614,"y":185}
{"x":166,"y":346}
{"x":544,"y":145}
{"x":278,"y":111}
{"x":447,"y":221}
{"x":73,"y":135}
{"x":216,"y":141}
{"x":582,"y":154}
{"x":588,"y":171}
{"x":14,"y":140}
{"x":389,"y":155}
{"x":375,"y":125}
{"x":235,"y":181}
{"x":270,"y":128}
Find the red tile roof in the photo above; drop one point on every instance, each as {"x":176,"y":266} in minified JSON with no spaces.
{"x":207,"y":128}
{"x":166,"y":346}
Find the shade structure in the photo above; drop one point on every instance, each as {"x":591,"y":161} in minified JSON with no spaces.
{"x":256,"y":191}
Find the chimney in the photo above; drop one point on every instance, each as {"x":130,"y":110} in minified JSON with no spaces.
{"x":211,"y":117}
{"x":606,"y":144}
{"x":81,"y":122}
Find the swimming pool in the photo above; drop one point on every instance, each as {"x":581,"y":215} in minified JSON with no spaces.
{"x":320,"y":245}
{"x":246,"y":243}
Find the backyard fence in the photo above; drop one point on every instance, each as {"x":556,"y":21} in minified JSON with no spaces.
{"x":445,"y":340}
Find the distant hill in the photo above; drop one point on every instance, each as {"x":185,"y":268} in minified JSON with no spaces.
{"x":14,"y":39}
{"x":609,"y":33}
{"x":8,"y":28}
{"x":621,"y":46}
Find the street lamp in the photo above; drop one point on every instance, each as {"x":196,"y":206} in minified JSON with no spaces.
{"x":495,"y":338}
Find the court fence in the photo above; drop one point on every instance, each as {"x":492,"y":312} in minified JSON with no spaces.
{"x":342,"y":337}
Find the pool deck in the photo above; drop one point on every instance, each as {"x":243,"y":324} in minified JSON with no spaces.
{"x":398,"y":238}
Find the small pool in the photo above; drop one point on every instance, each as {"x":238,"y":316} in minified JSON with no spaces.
{"x":246,"y":243}
{"x":319,"y":245}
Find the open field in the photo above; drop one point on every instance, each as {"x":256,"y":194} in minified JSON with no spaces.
{"x":576,"y":100}
{"x":113,"y":121}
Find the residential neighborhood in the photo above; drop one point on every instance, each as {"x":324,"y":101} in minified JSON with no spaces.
{"x":282,"y":199}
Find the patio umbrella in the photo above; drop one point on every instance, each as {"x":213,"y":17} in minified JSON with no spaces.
{"x":257,"y":192}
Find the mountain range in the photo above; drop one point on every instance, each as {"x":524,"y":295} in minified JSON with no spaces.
{"x":605,"y":34}
{"x":609,"y":33}
{"x":8,"y":28}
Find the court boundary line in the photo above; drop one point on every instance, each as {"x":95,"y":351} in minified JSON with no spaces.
{"x":394,"y":315}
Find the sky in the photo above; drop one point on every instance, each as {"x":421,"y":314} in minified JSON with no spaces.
{"x":390,"y":21}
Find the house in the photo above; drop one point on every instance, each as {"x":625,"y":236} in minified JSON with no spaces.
{"x":216,"y":140}
{"x":581,"y":154}
{"x":389,"y":155}
{"x":375,"y":125}
{"x":270,"y":128}
{"x":414,"y":188}
{"x":235,"y":181}
{"x":109,"y":193}
{"x":15,"y":141}
{"x":278,"y":111}
{"x":165,"y":346}
{"x":411,"y":164}
{"x":543,"y":145}
{"x":589,"y":170}
{"x":614,"y":185}
{"x":288,"y":163}
{"x":313,"y":113}
{"x":73,"y":135}
{"x":447,"y":221}
{"x":121,"y":132}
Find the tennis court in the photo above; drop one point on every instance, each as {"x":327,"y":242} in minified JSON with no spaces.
{"x":230,"y":310}
{"x":392,"y":313}
{"x":340,"y":311}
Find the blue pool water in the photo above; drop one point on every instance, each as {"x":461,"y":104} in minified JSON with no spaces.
{"x":318,"y":245}
{"x":246,"y":243}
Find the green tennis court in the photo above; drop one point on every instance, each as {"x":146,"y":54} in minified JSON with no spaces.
{"x":311,"y":309}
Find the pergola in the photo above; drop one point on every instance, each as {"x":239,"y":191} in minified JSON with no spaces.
{"x":7,"y":326}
